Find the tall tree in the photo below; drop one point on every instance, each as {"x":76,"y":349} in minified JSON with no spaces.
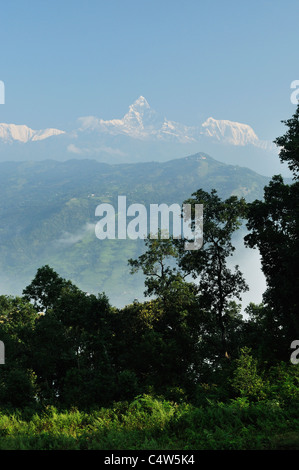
{"x":17,"y":322}
{"x":46,"y":288}
{"x":274,"y":228}
{"x":218,"y":285}
{"x":199,"y":319}
{"x":172,"y":321}
{"x":71,"y":343}
{"x":289,"y":143}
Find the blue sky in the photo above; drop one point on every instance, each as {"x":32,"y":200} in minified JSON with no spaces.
{"x":191,"y":59}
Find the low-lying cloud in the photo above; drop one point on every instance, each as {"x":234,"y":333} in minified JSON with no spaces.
{"x":72,"y":148}
{"x":68,"y":239}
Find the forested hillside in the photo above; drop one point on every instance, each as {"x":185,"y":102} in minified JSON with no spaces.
{"x":47,"y":215}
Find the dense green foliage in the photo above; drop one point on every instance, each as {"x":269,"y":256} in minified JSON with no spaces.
{"x":182,"y":370}
{"x":149,"y":423}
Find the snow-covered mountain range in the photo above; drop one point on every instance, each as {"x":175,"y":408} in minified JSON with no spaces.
{"x":22,"y":133}
{"x":141,"y":134}
{"x":141,"y":122}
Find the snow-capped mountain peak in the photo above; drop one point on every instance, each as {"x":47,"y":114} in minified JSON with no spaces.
{"x":233,"y":133}
{"x":139,"y":117}
{"x":139,"y":122}
{"x":141,"y":102}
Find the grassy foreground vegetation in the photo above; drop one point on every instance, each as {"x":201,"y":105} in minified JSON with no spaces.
{"x":156,"y":424}
{"x":263,"y":415}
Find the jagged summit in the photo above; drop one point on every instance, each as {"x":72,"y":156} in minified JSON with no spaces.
{"x":142,"y":122}
{"x":141,"y":101}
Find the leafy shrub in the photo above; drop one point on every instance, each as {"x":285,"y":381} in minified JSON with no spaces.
{"x":283,"y":382}
{"x":247,"y":381}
